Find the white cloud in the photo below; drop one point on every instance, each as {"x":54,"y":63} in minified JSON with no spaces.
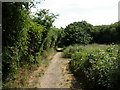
{"x":96,"y":12}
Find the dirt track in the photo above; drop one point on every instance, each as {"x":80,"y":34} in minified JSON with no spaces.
{"x":52,"y":77}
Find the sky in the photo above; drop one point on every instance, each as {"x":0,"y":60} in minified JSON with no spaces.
{"x":95,"y":12}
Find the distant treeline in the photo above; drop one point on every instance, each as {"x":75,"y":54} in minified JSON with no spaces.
{"x":84,"y":33}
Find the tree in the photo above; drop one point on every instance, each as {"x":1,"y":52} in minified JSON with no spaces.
{"x":106,"y":34}
{"x":45,"y":18}
{"x":15,"y":26}
{"x":77,"y":33}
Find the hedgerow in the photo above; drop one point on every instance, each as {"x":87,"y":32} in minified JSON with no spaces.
{"x":25,"y":39}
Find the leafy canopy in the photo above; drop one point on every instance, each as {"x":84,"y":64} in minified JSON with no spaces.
{"x":77,"y":33}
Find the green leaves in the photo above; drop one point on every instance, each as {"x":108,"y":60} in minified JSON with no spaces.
{"x":71,"y":50}
{"x":96,"y":68}
{"x":106,"y":34}
{"x":77,"y":33}
{"x":25,"y":38}
{"x":45,"y":18}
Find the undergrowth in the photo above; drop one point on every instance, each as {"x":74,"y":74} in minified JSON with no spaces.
{"x":96,"y":66}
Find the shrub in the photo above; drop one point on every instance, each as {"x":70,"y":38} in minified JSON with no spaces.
{"x":11,"y":61}
{"x":97,"y":68}
{"x":71,"y":49}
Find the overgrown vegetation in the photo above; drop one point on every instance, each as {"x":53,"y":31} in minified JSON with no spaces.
{"x":77,"y":33}
{"x":95,"y":67}
{"x":25,"y":39}
{"x":85,"y":33}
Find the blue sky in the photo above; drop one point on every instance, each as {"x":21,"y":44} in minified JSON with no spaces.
{"x":96,"y":12}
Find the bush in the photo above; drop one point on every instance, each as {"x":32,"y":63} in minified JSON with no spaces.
{"x":71,"y":50}
{"x":98,"y":68}
{"x":11,"y":61}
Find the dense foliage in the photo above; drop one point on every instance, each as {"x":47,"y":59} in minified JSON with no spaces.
{"x":15,"y":22}
{"x":25,"y":39}
{"x":96,"y":67}
{"x":77,"y":33}
{"x":84,"y":33}
{"x":46,"y":19}
{"x":70,"y":50}
{"x":52,"y":39}
{"x":106,"y":34}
